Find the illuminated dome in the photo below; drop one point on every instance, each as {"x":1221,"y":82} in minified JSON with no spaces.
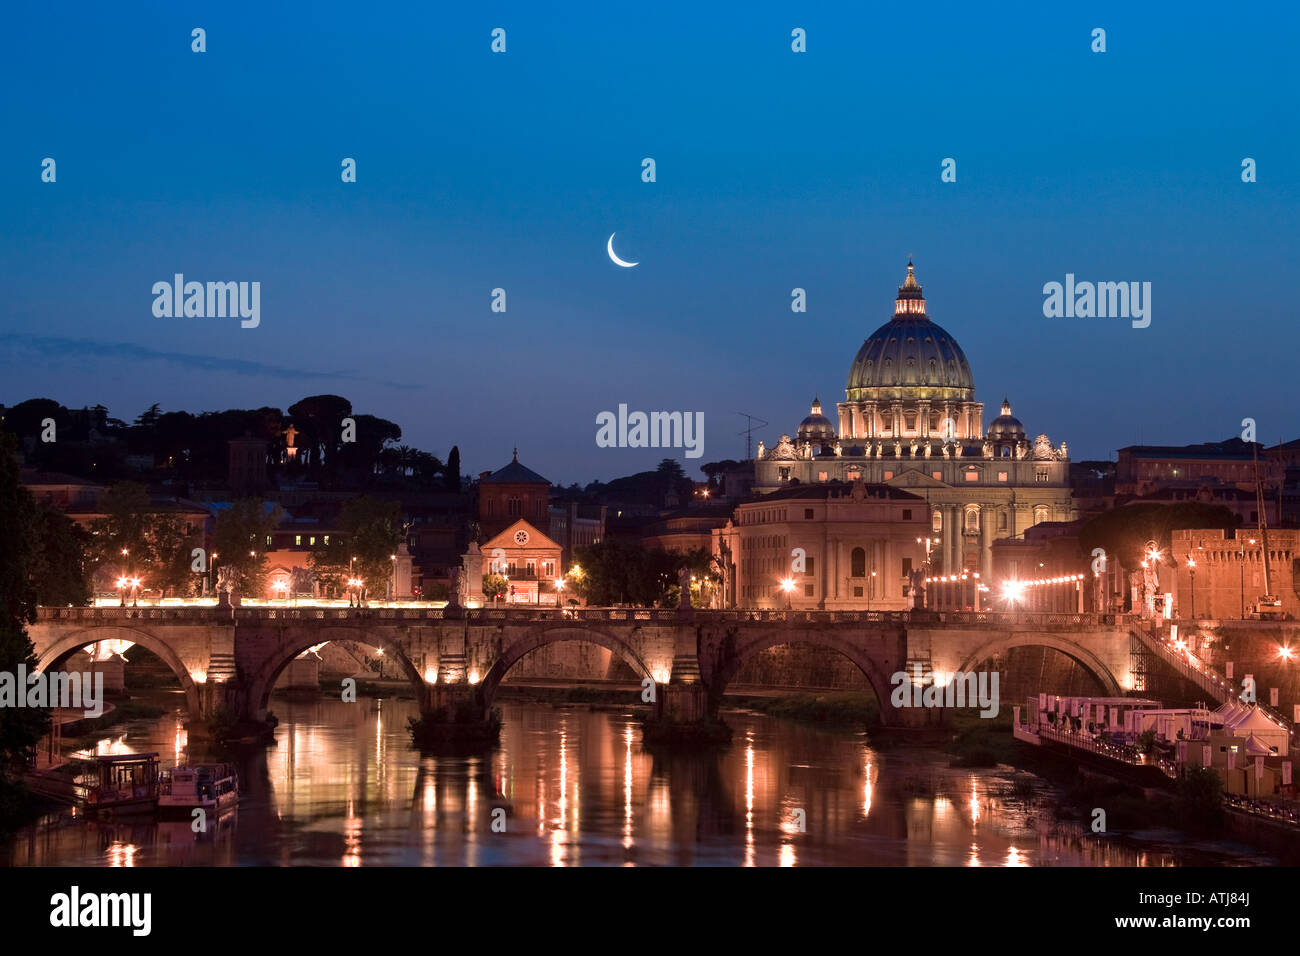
{"x":909,"y":357}
{"x":1006,"y":427}
{"x":816,"y":428}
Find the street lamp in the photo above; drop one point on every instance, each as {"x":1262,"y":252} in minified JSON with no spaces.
{"x":787,"y":585}
{"x":122,"y":583}
{"x":1191,"y":570}
{"x":135,"y":592}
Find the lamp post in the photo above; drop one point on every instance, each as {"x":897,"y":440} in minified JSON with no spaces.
{"x":928,"y":563}
{"x":787,"y":585}
{"x":1191,"y":570}
{"x":871,"y":589}
{"x":122,"y":583}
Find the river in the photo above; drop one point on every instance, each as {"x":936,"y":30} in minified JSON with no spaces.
{"x":572,"y":786}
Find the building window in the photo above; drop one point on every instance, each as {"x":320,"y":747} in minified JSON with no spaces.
{"x":1002,"y":521}
{"x":907,"y":566}
{"x":809,"y":571}
{"x":888,"y":475}
{"x":807,"y":590}
{"x":1002,"y":476}
{"x":268,"y":540}
{"x":937,"y":475}
{"x":972,"y":476}
{"x":327,"y":540}
{"x":297,"y":540}
{"x":807,"y":514}
{"x":936,"y":521}
{"x":821,"y":476}
{"x":972,"y":520}
{"x":857,"y":592}
{"x":1040,"y":513}
{"x":784,"y":473}
{"x":854,"y":475}
{"x":907,"y":514}
{"x":1041,"y":475}
{"x":514,"y":506}
{"x":858,"y":563}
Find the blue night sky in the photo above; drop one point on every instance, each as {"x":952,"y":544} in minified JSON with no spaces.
{"x":775,"y":170}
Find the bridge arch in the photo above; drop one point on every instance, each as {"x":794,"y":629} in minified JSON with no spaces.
{"x":557,"y":634}
{"x":262,"y":679}
{"x":68,"y":643}
{"x":1089,"y":661}
{"x":749,"y":648}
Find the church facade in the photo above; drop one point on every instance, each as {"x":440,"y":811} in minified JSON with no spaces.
{"x":910,"y":421}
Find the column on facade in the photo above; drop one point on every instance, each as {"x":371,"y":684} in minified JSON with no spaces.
{"x":987,"y":514}
{"x":951,"y":561}
{"x":833,"y":567}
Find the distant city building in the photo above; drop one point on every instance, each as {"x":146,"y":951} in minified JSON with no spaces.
{"x":1142,"y":469}
{"x":530,"y":562}
{"x":858,"y":545}
{"x":511,"y":493}
{"x":1219,"y":575}
{"x":910,"y":420}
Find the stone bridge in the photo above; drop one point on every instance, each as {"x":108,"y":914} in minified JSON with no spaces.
{"x":229,"y":659}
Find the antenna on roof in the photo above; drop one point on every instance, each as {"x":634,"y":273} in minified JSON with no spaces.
{"x":749,"y":432}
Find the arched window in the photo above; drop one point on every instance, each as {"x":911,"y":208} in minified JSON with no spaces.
{"x":514,"y":506}
{"x":1040,"y":514}
{"x":972,"y":520}
{"x":858,"y":563}
{"x":936,"y":521}
{"x":1002,"y":521}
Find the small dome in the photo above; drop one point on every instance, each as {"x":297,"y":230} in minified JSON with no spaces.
{"x":1006,"y":427}
{"x":816,"y":428}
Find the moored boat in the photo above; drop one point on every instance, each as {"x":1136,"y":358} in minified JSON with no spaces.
{"x":122,"y":785}
{"x":212,"y":788}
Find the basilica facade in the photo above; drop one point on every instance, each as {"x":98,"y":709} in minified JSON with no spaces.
{"x":910,"y":421}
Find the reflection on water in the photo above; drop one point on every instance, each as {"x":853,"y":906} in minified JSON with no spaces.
{"x":572,"y":787}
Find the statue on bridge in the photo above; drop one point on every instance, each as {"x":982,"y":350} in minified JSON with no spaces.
{"x":228,"y":587}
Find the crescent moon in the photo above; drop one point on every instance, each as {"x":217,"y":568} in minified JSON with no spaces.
{"x":614,"y":257}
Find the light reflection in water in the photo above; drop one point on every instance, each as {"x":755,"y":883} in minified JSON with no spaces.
{"x":121,"y":854}
{"x":749,"y":799}
{"x":344,"y":787}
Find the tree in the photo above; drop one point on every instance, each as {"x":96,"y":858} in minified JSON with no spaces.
{"x":158,"y":546}
{"x":321,"y":418}
{"x":618,"y":571}
{"x":494,"y":586}
{"x":1198,"y":801}
{"x":239,"y":541}
{"x":21,"y":728}
{"x":451,"y":478}
{"x":59,"y":563}
{"x":124,"y":527}
{"x":371,"y":531}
